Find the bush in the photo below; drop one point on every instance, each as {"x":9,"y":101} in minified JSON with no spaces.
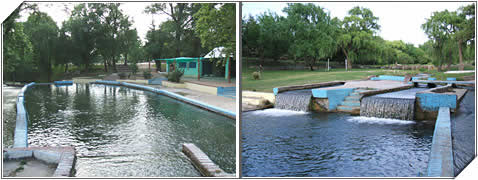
{"x":147,"y":75}
{"x":122,"y":75}
{"x":256,"y":75}
{"x":134,"y":68}
{"x":175,"y":76}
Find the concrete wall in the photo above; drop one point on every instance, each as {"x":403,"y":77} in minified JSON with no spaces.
{"x":20,"y":138}
{"x":387,"y":77}
{"x":202,"y":162}
{"x":441,"y":154}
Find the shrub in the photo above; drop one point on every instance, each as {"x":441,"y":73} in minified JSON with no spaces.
{"x":256,"y":75}
{"x":175,"y":76}
{"x":147,"y":75}
{"x":122,"y":75}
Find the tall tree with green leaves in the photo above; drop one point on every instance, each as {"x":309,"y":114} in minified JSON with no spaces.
{"x":83,"y":25}
{"x":216,"y":26}
{"x":358,"y":29}
{"x":182,"y":16}
{"x":43,"y":33}
{"x":313,"y":32}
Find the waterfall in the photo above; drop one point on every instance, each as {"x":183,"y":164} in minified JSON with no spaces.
{"x":293,"y":101}
{"x":395,"y":108}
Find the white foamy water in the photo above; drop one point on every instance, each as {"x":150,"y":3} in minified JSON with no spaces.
{"x":374,"y":120}
{"x":277,"y":112}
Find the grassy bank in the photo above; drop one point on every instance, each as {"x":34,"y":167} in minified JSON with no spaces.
{"x":276,"y":78}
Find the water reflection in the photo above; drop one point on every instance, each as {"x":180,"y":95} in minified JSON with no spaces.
{"x":119,"y":131}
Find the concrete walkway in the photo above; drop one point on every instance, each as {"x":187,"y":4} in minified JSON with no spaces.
{"x":383,"y":84}
{"x":218,"y":101}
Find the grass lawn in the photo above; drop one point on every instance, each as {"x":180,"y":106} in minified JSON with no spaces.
{"x":276,"y":78}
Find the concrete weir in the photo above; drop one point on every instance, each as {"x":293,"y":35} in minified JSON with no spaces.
{"x":202,"y":162}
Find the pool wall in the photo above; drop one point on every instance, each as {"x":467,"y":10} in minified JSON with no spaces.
{"x":21,"y":125}
{"x":202,"y":162}
{"x":334,"y":96}
{"x":199,"y":104}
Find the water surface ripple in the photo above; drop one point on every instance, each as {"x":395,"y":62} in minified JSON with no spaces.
{"x":119,"y":131}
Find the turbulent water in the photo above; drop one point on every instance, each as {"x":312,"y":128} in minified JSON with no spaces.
{"x":287,"y":143}
{"x":388,"y":108}
{"x":395,"y":105}
{"x":298,"y":100}
{"x":463,"y":131}
{"x":122,"y":132}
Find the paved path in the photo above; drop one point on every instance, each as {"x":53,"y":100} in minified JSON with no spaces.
{"x":218,"y":101}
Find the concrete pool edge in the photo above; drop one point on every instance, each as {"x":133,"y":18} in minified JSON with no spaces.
{"x":20,"y":137}
{"x":64,"y":157}
{"x":193,"y":102}
{"x":441,"y":154}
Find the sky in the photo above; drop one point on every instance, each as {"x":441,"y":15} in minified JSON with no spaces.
{"x":398,"y":20}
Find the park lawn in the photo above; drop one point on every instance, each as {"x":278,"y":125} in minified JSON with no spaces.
{"x":277,"y":78}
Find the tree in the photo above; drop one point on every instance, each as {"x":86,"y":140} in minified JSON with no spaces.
{"x":42,"y":31}
{"x":250,"y":36}
{"x":181,"y":14}
{"x":216,"y":27}
{"x":84,"y":27}
{"x":357,"y":32}
{"x":313,"y":32}
{"x":465,"y":28}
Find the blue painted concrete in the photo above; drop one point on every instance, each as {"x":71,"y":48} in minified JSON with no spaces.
{"x":433,"y":101}
{"x":20,"y":138}
{"x":175,"y":96}
{"x":63,"y":82}
{"x":229,"y":92}
{"x":276,"y":91}
{"x":441,"y":155}
{"x":451,"y":79}
{"x":388,"y":77}
{"x":335,"y":96}
{"x":432,"y":79}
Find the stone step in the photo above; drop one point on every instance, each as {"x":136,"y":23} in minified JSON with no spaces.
{"x":355,"y":94}
{"x":352,"y":98}
{"x":348,"y":109}
{"x":351,"y":103}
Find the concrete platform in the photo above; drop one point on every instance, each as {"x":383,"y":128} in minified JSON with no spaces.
{"x":378,"y":85}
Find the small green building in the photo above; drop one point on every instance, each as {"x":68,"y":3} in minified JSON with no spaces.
{"x":187,"y":64}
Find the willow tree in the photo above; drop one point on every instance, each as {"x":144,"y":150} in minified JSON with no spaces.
{"x":358,"y":29}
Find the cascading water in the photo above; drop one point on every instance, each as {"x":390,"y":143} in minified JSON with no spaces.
{"x":394,"y":108}
{"x":395,"y":105}
{"x":294,"y":100}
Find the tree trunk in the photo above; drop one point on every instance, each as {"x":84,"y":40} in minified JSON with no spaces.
{"x":66,"y":67}
{"x":126,"y":59}
{"x":106,"y":65}
{"x":229,"y":70}
{"x":460,"y":54}
{"x":349,"y":64}
{"x":114,"y":65}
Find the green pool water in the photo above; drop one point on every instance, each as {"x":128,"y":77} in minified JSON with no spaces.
{"x":122,"y":132}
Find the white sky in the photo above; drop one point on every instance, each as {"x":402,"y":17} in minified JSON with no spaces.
{"x":398,"y":20}
{"x":141,"y":21}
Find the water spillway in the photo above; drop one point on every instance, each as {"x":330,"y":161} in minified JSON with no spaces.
{"x":395,"y":105}
{"x":394,"y":108}
{"x":298,"y":100}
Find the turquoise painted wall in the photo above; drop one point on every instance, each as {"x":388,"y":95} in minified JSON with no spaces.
{"x":335,"y":96}
{"x":188,"y":71}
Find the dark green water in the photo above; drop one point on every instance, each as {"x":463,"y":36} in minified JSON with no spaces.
{"x":119,"y":131}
